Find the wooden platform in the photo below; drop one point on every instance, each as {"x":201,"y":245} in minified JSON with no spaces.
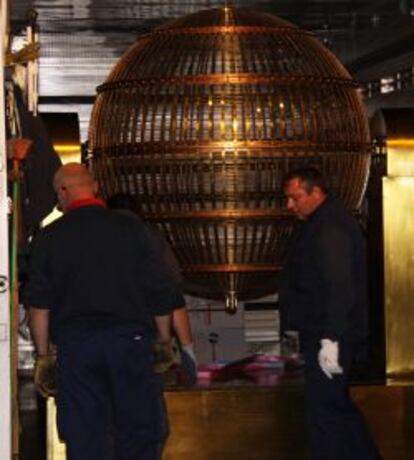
{"x":268,"y":424}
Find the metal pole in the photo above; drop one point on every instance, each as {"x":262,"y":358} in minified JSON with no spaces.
{"x":5,"y":407}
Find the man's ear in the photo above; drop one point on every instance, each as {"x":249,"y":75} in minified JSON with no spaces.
{"x":317,"y":192}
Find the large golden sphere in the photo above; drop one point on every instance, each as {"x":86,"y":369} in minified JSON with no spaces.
{"x":202,"y":118}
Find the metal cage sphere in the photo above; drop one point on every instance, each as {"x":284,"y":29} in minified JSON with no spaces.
{"x":202,"y":118}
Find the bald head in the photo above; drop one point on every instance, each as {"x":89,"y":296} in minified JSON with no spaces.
{"x":73,"y":182}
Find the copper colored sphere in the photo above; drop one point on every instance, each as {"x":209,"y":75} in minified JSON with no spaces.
{"x":201,"y":119}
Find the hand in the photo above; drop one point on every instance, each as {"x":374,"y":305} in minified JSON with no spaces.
{"x":328,"y":358}
{"x":163,"y":357}
{"x":45,"y":375}
{"x":189,"y":363}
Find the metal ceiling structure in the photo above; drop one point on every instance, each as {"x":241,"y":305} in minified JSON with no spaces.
{"x":81,"y":40}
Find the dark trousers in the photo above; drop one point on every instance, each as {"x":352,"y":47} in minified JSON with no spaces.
{"x":337,"y":430}
{"x":105,"y":378}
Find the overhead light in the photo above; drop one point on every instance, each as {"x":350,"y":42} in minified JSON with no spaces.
{"x":375,"y":20}
{"x":387,"y":85}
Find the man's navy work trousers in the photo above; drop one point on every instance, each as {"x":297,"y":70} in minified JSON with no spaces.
{"x":105,"y":378}
{"x":337,"y":430}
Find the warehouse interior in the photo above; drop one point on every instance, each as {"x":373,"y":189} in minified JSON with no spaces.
{"x":79,"y":43}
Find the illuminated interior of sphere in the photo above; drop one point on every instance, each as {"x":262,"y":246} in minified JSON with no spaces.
{"x":201,"y":119}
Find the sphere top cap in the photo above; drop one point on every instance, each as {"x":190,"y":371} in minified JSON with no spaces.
{"x":227,"y":16}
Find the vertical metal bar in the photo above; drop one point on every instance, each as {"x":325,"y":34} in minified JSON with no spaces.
{"x":399,"y":267}
{"x":5,"y":415}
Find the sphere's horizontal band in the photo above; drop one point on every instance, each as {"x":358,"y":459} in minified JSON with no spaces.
{"x":229,"y":79}
{"x":220,"y":214}
{"x":231,"y":268}
{"x":160,"y":148}
{"x":231,"y":29}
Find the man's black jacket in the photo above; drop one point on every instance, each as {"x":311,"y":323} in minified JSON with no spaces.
{"x":94,"y":267}
{"x":323,"y":291}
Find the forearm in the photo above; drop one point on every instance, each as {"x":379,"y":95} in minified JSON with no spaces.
{"x":163,"y":324}
{"x":39,"y":329}
{"x":337,"y":311}
{"x":337,"y":286}
{"x":181,"y":326}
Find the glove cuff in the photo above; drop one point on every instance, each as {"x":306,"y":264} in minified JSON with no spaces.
{"x":328,"y":342}
{"x":189,"y":349}
{"x":50,"y":357}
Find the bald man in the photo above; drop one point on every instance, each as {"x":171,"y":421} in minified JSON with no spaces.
{"x":96,"y":284}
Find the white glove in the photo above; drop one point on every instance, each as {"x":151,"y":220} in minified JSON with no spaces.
{"x":189,"y":349}
{"x":189,"y":363}
{"x":328,"y":358}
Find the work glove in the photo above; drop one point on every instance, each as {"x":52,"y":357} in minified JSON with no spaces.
{"x":328,"y":358}
{"x":45,"y":375}
{"x":189,"y":363}
{"x":163,"y":357}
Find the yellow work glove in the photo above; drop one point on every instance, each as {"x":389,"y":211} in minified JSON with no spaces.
{"x":45,"y":375}
{"x":164,"y":357}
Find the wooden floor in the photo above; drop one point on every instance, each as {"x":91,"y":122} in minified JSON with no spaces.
{"x":269,"y":424}
{"x":243,"y":424}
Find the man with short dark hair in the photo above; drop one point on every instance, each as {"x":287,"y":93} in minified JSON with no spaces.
{"x":323,"y":295}
{"x":97,"y":284}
